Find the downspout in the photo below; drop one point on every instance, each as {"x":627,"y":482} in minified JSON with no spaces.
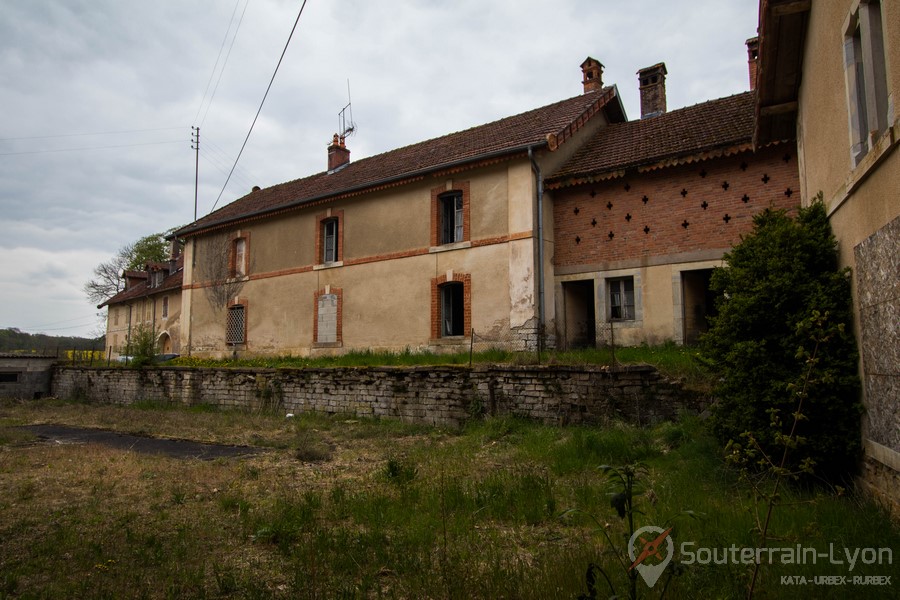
{"x":540,"y":266}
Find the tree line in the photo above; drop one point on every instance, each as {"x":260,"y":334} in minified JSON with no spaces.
{"x":15,"y":340}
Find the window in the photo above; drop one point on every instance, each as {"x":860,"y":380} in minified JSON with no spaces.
{"x":165,"y":307}
{"x":451,"y":207}
{"x":621,"y":299}
{"x":452,"y":309}
{"x":156,"y":279}
{"x":450,"y":214}
{"x":115,"y":312}
{"x":235,"y":327}
{"x":239,"y":257}
{"x":330,"y":241}
{"x":866,"y":77}
{"x":9,"y":377}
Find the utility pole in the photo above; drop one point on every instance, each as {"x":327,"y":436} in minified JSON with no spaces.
{"x":195,"y":145}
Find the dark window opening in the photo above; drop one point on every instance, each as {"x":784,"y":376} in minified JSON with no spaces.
{"x":451,"y":218}
{"x":9,"y":377}
{"x":330,"y":241}
{"x":452,"y":309}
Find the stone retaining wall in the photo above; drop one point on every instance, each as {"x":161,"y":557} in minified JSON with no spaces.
{"x":445,"y":396}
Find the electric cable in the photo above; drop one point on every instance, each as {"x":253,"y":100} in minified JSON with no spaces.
{"x":246,"y":139}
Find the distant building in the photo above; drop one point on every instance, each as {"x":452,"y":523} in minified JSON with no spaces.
{"x":830,"y":71}
{"x":151,"y":299}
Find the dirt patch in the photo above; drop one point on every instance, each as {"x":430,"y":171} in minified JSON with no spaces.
{"x":60,"y":434}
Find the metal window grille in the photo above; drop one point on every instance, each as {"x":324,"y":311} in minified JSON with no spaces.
{"x":234,"y":328}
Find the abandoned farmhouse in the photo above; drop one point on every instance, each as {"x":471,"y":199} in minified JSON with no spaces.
{"x":567,"y":223}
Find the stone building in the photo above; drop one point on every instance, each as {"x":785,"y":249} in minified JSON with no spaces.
{"x":151,"y":299}
{"x":415,"y":248}
{"x":830,"y":71}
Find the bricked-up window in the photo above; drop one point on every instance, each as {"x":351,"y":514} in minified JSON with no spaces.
{"x":451,"y":207}
{"x":330,"y":241}
{"x":235,"y":326}
{"x":866,"y":77}
{"x":327,"y":319}
{"x":621,"y":299}
{"x":239,"y":257}
{"x":452,"y":309}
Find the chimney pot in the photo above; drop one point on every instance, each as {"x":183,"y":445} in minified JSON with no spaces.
{"x":592,"y":75}
{"x":753,"y":60}
{"x":256,"y":188}
{"x":652,"y":84}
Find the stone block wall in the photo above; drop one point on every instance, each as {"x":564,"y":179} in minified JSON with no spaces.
{"x":444,"y":396}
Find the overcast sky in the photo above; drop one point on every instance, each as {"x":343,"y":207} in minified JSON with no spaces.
{"x":97,"y":100}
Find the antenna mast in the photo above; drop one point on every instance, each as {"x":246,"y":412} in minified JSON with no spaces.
{"x":346,"y":126}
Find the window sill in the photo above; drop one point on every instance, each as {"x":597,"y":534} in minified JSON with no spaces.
{"x":328,"y":345}
{"x":331,"y":265}
{"x":880,"y":149}
{"x":451,"y":340}
{"x":449,"y":247}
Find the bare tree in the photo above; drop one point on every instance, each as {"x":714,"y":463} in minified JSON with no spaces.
{"x":213,"y":260}
{"x":108,"y":280}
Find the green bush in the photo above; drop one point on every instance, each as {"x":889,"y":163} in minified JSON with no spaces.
{"x":778,"y":280}
{"x":142,"y":346}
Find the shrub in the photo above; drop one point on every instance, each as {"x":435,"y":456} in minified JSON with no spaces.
{"x":782,"y":275}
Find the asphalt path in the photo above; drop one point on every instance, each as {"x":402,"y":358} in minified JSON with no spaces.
{"x":61,"y":434}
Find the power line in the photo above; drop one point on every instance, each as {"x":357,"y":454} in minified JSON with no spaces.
{"x":246,"y":139}
{"x":65,"y":135}
{"x":224,"y":64}
{"x":89,"y":148}
{"x":218,"y":56}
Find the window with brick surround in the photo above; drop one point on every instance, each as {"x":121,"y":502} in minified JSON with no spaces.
{"x":329,"y":241}
{"x":327,"y":326}
{"x":452,"y":309}
{"x":450,"y":210}
{"x":236,"y":324}
{"x":866,"y":77}
{"x":621,"y":298}
{"x":330,"y":237}
{"x":238,"y":259}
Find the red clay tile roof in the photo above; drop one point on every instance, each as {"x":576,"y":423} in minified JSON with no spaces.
{"x":173,"y":281}
{"x":682,"y":135}
{"x":511,"y":134}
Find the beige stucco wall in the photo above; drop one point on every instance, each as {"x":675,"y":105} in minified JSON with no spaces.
{"x":123,"y":318}
{"x":385,"y":277}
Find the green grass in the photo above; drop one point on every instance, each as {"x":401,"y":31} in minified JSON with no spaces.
{"x":676,"y":361}
{"x":502,"y":508}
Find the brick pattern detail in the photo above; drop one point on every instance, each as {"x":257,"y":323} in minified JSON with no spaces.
{"x":436,"y":283}
{"x":457,"y":186}
{"x":320,"y":235}
{"x":702,"y":206}
{"x":339,"y":292}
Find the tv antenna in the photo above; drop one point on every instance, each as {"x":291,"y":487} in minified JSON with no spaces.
{"x":346,"y":126}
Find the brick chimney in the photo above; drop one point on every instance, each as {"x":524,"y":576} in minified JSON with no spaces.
{"x":338,"y":155}
{"x":753,"y":59}
{"x":592,"y":75}
{"x":652,"y":83}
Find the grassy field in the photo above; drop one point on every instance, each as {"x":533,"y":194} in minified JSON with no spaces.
{"x":348,"y":508}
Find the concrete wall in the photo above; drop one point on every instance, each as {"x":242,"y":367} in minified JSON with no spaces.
{"x":432,"y":395}
{"x":25,"y":377}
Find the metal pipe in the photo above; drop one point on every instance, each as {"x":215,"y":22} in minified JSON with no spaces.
{"x":540,"y":266}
